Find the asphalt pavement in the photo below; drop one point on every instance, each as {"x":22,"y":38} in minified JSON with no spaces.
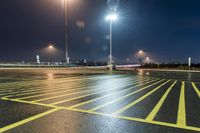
{"x":98,"y":101}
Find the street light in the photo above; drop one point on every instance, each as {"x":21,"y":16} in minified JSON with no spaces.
{"x":111,"y":18}
{"x":141,"y":52}
{"x":50,"y":46}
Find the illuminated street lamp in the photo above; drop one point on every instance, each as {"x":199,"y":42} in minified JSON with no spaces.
{"x":51,"y":47}
{"x":111,"y":18}
{"x":141,"y":52}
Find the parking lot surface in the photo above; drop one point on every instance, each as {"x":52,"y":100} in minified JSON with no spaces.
{"x":89,"y":100}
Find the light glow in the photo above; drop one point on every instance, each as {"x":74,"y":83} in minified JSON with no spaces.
{"x":141,"y":52}
{"x":112,"y":17}
{"x":51,"y":47}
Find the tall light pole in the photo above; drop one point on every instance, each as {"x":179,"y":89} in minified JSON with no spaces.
{"x":66,"y":30}
{"x":111,"y":18}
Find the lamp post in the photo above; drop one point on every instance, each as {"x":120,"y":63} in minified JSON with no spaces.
{"x":111,"y":18}
{"x":66,"y":30}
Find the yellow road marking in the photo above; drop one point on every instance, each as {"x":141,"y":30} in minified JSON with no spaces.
{"x":28,"y":102}
{"x":46,"y":81}
{"x":48,"y":90}
{"x":89,"y":101}
{"x":124,"y":97}
{"x":33,"y":90}
{"x":75,"y":98}
{"x":112,"y":116}
{"x":196,"y":89}
{"x":153,"y":113}
{"x":139,"y":100}
{"x":135,"y":119}
{"x":79,"y":92}
{"x":57,"y":91}
{"x":78,"y":87}
{"x":36,"y":91}
{"x":181,"y":120}
{"x":19,"y":123}
{"x":30,"y":82}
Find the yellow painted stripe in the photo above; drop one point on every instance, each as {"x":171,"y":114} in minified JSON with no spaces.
{"x":30,"y":82}
{"x":82,"y":86}
{"x":28,"y":102}
{"x":34,"y":90}
{"x":79,"y":92}
{"x":136,"y":119}
{"x":14,"y":125}
{"x":139,"y":100}
{"x":124,"y":97}
{"x":89,"y":101}
{"x":49,"y":82}
{"x":124,"y":118}
{"x":57,"y":91}
{"x":196,"y":89}
{"x":181,"y":120}
{"x":153,"y":113}
{"x":67,"y":100}
{"x":52,"y":90}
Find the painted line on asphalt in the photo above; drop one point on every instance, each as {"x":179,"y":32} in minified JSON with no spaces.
{"x":106,"y":115}
{"x":196,"y":89}
{"x":171,"y":125}
{"x":78,"y":92}
{"x":30,"y":82}
{"x":139,"y":100}
{"x":46,"y":81}
{"x":121,"y":91}
{"x":83,"y":86}
{"x":153,"y":113}
{"x":181,"y":119}
{"x":34,"y":90}
{"x":124,"y":97}
{"x":27,"y":120}
{"x":90,"y":94}
{"x":57,"y":91}
{"x":28,"y":102}
{"x":75,"y":98}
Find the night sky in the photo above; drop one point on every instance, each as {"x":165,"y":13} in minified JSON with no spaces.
{"x":167,"y":30}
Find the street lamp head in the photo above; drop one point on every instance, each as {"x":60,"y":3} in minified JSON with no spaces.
{"x":141,"y":51}
{"x":112,"y":17}
{"x":50,"y":46}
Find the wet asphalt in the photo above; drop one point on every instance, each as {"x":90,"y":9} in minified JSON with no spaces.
{"x":97,"y":101}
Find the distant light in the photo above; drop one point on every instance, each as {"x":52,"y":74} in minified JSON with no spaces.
{"x":112,"y":17}
{"x":141,"y":51}
{"x":147,"y":59}
{"x":51,"y":47}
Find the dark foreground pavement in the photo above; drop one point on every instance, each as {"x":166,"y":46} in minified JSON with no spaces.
{"x":90,"y":101}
